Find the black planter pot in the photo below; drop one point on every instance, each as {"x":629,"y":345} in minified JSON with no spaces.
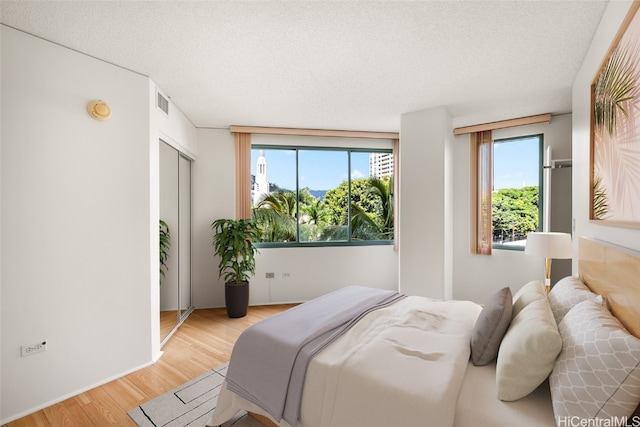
{"x":236,"y":297}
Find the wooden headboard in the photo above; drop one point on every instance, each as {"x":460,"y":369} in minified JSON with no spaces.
{"x":614,"y":272}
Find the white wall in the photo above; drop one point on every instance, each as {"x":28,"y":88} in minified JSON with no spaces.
{"x":316,"y":271}
{"x":213,"y":197}
{"x":476,"y":277}
{"x":76,"y":265}
{"x":609,"y":25}
{"x":313,"y":271}
{"x":425,"y":203}
{"x":174,"y":128}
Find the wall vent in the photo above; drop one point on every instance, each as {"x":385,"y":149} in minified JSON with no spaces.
{"x":163,"y":103}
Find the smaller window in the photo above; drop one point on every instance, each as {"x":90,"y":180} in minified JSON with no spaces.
{"x":516,"y":198}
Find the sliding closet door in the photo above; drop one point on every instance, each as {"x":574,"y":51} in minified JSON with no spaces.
{"x":184,"y":170}
{"x":175,"y":211}
{"x":169,"y":213}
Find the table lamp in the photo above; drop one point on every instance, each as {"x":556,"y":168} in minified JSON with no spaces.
{"x":549,"y":245}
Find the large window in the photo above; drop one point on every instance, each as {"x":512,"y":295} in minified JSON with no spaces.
{"x":315,"y":196}
{"x":516,"y":197}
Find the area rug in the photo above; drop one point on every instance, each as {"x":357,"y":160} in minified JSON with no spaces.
{"x":191,"y":405}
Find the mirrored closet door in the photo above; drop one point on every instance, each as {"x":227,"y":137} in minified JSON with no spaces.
{"x":175,"y":212}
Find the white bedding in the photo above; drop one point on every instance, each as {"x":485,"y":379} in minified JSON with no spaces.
{"x":478,"y":405}
{"x":402,"y":365}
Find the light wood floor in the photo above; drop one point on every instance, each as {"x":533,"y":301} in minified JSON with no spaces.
{"x":203,"y":341}
{"x":168,"y":321}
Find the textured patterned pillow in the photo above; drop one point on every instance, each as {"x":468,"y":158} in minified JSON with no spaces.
{"x":527,"y":294}
{"x":567,"y":293}
{"x":492,"y":323}
{"x":597,"y":375}
{"x":528,"y":351}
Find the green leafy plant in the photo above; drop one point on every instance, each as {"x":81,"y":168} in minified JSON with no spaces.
{"x":514,"y":213}
{"x":276,"y":215}
{"x":165,"y":244}
{"x":233,"y":243}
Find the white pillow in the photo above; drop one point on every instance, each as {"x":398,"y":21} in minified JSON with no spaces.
{"x":597,"y":374}
{"x":566,"y":294}
{"x":528,"y":351}
{"x":530,"y":292}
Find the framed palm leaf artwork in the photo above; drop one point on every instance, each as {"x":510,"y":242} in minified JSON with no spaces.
{"x":615,"y":130}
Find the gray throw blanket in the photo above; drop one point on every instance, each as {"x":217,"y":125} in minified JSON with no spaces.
{"x":269,"y":360}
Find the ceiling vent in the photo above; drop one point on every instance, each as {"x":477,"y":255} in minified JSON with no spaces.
{"x":163,"y":103}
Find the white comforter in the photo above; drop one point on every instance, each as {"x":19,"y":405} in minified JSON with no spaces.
{"x":402,"y":365}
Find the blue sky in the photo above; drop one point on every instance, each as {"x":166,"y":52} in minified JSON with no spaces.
{"x":515,"y":165}
{"x":319,"y":170}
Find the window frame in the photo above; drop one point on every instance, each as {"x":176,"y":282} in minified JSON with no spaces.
{"x":324,"y":243}
{"x":540,"y":227}
{"x":476,"y":140}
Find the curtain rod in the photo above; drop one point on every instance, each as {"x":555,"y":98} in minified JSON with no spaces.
{"x":314,"y":132}
{"x":502,"y":124}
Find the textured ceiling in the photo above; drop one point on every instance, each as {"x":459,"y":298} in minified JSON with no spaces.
{"x":333,"y":65}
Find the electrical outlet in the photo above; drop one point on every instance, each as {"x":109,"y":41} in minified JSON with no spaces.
{"x":270,"y":275}
{"x":28,"y":350}
{"x":286,"y":275}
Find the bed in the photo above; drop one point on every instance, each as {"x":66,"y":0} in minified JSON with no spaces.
{"x":418,"y":361}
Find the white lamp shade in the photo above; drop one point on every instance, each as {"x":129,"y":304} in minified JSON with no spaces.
{"x":549,"y":245}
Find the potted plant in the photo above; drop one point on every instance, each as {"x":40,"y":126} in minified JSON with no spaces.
{"x":233,"y":243}
{"x":165,"y":244}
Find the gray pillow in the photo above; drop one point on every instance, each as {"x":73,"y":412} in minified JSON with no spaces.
{"x":492,"y":324}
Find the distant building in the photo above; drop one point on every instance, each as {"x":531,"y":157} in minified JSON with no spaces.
{"x":380,"y":165}
{"x":261,"y":184}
